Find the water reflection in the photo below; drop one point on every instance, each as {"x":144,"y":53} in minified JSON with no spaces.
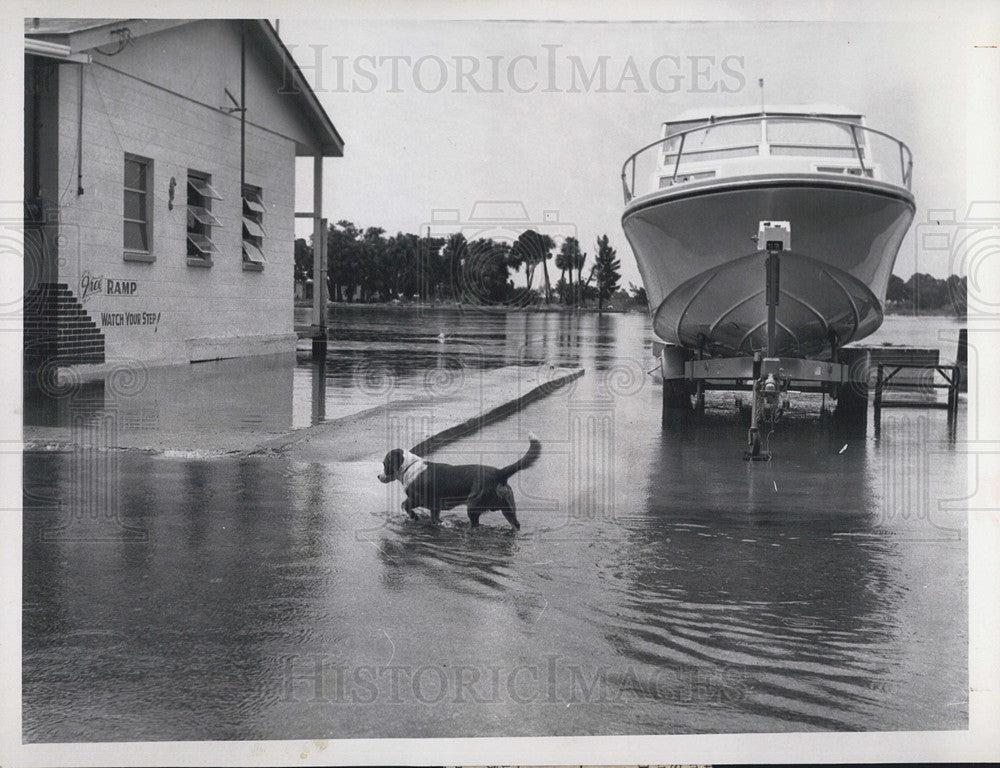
{"x":377,"y":355}
{"x":173,"y":406}
{"x":234,"y":561}
{"x":452,"y":557}
{"x":791,"y":587}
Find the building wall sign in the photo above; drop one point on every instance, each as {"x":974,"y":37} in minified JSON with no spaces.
{"x":118,"y":319}
{"x":91,"y":285}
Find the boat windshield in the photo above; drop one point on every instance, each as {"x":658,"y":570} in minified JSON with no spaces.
{"x":715,"y":141}
{"x":783,"y":136}
{"x":796,"y":137}
{"x":672,"y":128}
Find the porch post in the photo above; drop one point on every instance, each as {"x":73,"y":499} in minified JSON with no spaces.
{"x":319,"y":262}
{"x":319,"y":253}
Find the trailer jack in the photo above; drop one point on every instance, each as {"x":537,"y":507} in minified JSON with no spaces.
{"x":765,"y":410}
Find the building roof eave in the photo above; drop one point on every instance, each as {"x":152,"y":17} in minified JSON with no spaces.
{"x":86,"y":35}
{"x":330,"y":142}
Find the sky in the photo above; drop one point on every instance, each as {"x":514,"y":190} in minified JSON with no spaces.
{"x":442,"y":115}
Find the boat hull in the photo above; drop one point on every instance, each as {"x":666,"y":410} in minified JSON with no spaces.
{"x":705,"y":277}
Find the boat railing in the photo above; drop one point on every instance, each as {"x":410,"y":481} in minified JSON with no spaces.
{"x":858,"y":150}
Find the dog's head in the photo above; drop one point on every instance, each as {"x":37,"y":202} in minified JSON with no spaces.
{"x":391,"y":465}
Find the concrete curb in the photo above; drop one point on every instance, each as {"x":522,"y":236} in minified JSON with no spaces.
{"x":467,"y":427}
{"x":281,"y":442}
{"x":438,"y":439}
{"x":278,"y":444}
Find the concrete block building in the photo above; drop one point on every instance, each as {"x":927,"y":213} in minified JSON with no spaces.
{"x":159,"y":187}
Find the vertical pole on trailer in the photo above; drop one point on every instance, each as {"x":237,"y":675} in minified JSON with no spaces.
{"x":773,"y":284}
{"x":773,"y":237}
{"x":754,"y":453}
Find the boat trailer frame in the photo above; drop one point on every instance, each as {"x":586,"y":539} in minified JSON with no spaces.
{"x":845,"y":377}
{"x":769,"y":378}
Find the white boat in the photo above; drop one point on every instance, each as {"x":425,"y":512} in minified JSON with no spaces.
{"x":697,"y":196}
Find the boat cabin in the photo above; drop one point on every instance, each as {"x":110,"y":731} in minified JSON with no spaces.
{"x":750,"y":141}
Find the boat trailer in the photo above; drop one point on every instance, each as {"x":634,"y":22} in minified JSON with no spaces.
{"x":766,"y":375}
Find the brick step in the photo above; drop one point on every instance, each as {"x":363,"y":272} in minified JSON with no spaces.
{"x":77,"y":325}
{"x":58,"y":327}
{"x":80,"y":346}
{"x":80,"y":360}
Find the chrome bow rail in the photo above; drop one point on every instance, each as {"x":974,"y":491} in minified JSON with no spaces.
{"x":763,"y":149}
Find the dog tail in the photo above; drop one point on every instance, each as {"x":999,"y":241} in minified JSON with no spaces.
{"x":534,"y":451}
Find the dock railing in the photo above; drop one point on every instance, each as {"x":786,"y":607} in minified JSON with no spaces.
{"x":860,"y":149}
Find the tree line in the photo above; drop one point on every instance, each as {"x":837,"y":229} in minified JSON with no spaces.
{"x":926,"y":293}
{"x":366,"y":265}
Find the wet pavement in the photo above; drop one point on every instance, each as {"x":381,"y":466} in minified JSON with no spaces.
{"x":203,"y":408}
{"x":256,"y":402}
{"x":659,"y":583}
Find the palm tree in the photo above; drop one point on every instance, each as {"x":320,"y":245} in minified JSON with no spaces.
{"x":455,"y":252}
{"x":607,"y":270}
{"x":548,"y":244}
{"x":566,"y":258}
{"x":406,"y":249}
{"x":343,"y":259}
{"x":303,"y":260}
{"x":530,"y":249}
{"x":373,"y":261}
{"x":578,"y":261}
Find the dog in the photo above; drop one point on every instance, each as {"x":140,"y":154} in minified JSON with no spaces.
{"x":436,"y":486}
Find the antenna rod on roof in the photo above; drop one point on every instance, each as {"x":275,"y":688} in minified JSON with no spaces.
{"x":760,"y":82}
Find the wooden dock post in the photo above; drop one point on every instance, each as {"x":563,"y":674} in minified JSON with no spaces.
{"x":962,"y":359}
{"x":878,"y":392}
{"x":953,"y":389}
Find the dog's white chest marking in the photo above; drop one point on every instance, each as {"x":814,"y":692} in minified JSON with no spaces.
{"x":411,"y":470}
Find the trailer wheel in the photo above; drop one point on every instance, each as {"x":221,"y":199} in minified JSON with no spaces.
{"x":676,"y":389}
{"x":852,"y":395}
{"x":676,"y":395}
{"x":676,"y":402}
{"x":851,"y":414}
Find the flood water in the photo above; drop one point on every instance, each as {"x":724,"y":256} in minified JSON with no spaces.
{"x":659,"y":584}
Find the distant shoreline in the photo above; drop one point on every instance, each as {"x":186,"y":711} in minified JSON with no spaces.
{"x":302,"y":304}
{"x":908,"y":312}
